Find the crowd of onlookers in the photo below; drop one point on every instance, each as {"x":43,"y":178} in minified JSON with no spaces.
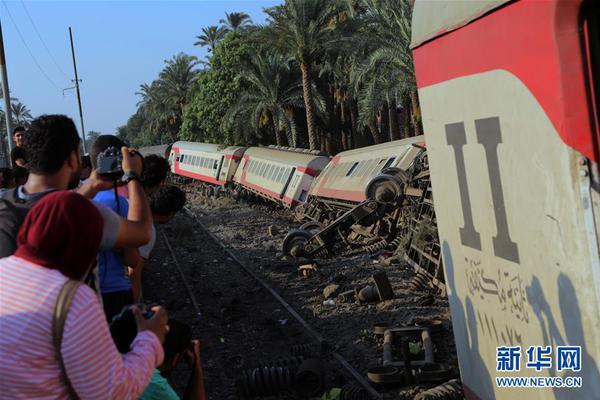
{"x":73,"y":244}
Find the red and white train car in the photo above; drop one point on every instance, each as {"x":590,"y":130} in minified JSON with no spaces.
{"x":280,"y":174}
{"x":509,"y":92}
{"x":206,"y":162}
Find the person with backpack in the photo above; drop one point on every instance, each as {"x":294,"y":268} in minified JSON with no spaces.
{"x":54,"y":339}
{"x":53,"y":160}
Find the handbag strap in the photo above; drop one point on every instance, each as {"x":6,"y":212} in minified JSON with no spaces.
{"x":59,"y":318}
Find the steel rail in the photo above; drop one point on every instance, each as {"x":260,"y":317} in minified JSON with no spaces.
{"x":317,"y":336}
{"x":185,"y":282}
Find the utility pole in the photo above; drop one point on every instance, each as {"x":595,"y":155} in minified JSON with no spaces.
{"x":7,"y":109}
{"x":77,"y":88}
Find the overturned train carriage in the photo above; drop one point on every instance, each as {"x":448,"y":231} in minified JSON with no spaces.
{"x":371,"y":199}
{"x":509,"y":92}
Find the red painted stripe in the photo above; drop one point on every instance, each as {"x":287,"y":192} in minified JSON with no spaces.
{"x":233,"y":157}
{"x":200,"y":177}
{"x":309,"y":171}
{"x":537,"y":41}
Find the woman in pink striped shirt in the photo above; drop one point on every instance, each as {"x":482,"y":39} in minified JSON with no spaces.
{"x":58,"y":241}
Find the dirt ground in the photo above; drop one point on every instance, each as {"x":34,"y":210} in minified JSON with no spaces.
{"x":241,"y":325}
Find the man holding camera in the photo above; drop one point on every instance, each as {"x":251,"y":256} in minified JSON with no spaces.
{"x":115,"y":285}
{"x":53,"y":158}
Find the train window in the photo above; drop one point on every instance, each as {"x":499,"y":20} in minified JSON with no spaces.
{"x":215,"y":164}
{"x":360,"y":168}
{"x":388,"y":162}
{"x":279,"y":174}
{"x":352,"y":168}
{"x":270,"y":172}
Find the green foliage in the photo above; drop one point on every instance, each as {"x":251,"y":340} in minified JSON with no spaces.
{"x":333,"y":74}
{"x":160,"y":110}
{"x":216,"y":90}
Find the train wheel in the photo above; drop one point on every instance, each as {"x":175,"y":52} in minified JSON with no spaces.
{"x":311,"y":226}
{"x":294,"y":241}
{"x":385,"y":188}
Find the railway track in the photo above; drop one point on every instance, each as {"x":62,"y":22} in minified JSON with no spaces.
{"x":312,"y":333}
{"x":318,"y":338}
{"x":200,"y":317}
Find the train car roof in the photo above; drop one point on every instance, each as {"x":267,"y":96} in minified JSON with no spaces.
{"x":282,"y":156}
{"x":158,"y":150}
{"x":435,"y":18}
{"x":376,"y":147}
{"x":207,"y":147}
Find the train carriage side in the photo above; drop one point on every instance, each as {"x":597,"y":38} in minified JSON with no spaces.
{"x":280,"y":175}
{"x":349,"y":172}
{"x":206,"y":162}
{"x":508,"y":91}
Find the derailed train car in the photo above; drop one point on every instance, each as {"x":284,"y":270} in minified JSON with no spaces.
{"x":280,"y":174}
{"x":509,"y":92}
{"x":205,"y":162}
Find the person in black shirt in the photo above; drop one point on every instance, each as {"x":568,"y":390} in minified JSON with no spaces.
{"x":17,"y":155}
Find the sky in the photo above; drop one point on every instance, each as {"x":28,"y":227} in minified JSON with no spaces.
{"x":118,"y":45}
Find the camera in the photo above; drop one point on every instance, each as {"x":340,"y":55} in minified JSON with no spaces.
{"x":123,"y":327}
{"x":110,"y":163}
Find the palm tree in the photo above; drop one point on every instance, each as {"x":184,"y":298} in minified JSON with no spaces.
{"x":385,"y":34}
{"x":20,"y":113}
{"x":211,"y":36}
{"x":272,"y":89}
{"x":302,"y":28}
{"x":236,"y":20}
{"x":162,"y":102}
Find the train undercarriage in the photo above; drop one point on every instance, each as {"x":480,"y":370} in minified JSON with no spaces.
{"x":397,"y":216}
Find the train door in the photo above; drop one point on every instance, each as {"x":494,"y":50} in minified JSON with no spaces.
{"x":219,"y":168}
{"x":287,"y":183}
{"x":511,"y":146}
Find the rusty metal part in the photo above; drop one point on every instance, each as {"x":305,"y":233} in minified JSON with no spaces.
{"x":393,"y":335}
{"x":311,"y":226}
{"x":307,"y":269}
{"x":294,"y":243}
{"x":451,"y":390}
{"x":368,"y":293}
{"x":419,"y":282}
{"x":384,"y":288}
{"x":436,"y":372}
{"x":317,"y":336}
{"x":310,"y":378}
{"x":379,"y":328}
{"x":385,"y":374}
{"x":348,"y":295}
{"x":433,"y":325}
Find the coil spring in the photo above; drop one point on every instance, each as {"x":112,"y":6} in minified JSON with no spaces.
{"x":419,"y":282}
{"x":303,"y":350}
{"x":283,"y":362}
{"x":393,"y":245}
{"x":375,"y":247}
{"x":353,"y":392}
{"x":451,"y":390}
{"x":266,"y":381}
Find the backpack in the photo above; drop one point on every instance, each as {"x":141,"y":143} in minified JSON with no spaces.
{"x":13,"y":211}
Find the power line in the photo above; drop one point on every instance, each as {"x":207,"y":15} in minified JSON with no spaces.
{"x":27,"y":47}
{"x":42,"y":40}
